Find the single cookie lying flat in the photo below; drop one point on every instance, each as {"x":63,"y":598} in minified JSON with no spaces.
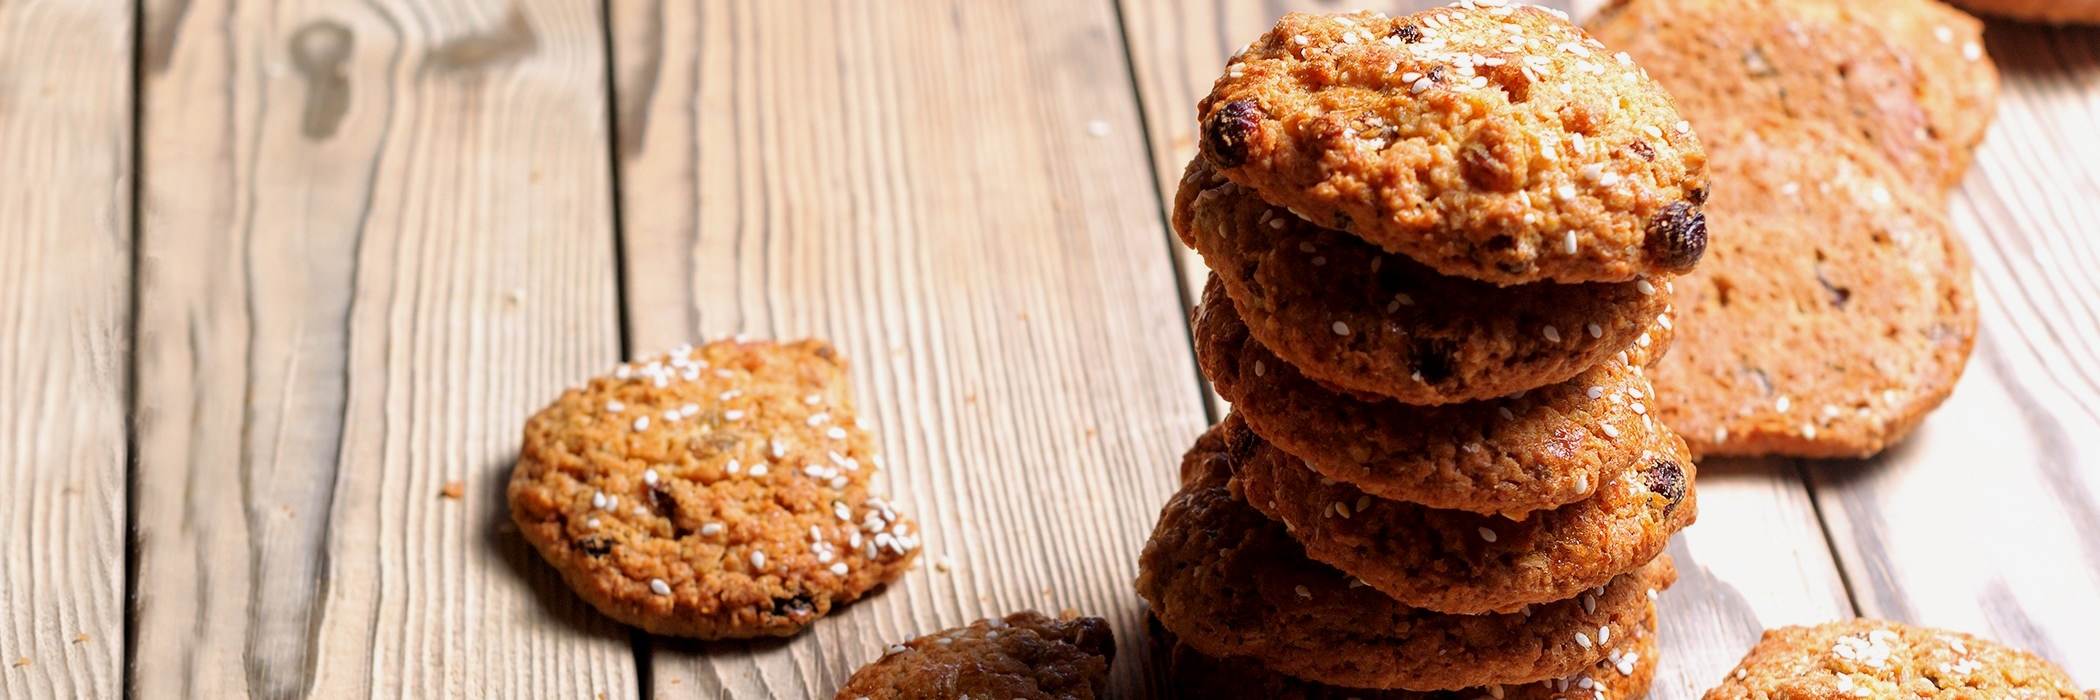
{"x":1908,"y":77}
{"x":1877,"y":659}
{"x":1540,"y":449}
{"x":1466,"y":563}
{"x":1352,"y":316}
{"x":1624,"y":674}
{"x":1836,"y":311}
{"x":1489,"y":141}
{"x":1024,"y":656}
{"x":715,"y":492}
{"x":1231,"y":583}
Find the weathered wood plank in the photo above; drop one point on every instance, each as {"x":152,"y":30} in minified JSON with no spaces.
{"x":376,"y":237}
{"x":1988,"y":519}
{"x":65,"y":341}
{"x":1756,"y":558}
{"x":955,"y":193}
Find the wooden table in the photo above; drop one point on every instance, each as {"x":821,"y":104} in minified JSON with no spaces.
{"x":273,"y":274}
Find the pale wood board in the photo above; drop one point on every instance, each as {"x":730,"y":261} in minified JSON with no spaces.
{"x":1988,"y":519}
{"x":65,"y":298}
{"x":376,"y":236}
{"x":954,"y":193}
{"x":1757,"y":557}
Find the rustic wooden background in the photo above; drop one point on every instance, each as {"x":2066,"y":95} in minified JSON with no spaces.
{"x":274,"y":273}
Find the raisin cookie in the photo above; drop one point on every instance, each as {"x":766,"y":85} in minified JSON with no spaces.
{"x":1466,"y":563}
{"x":714,"y":492}
{"x":1533,"y":450}
{"x":1023,"y":656}
{"x":1907,"y":76}
{"x":1354,"y":317}
{"x":1837,"y":309}
{"x":1876,"y":659}
{"x":1231,"y":583}
{"x":1624,"y":674}
{"x":1489,"y":141}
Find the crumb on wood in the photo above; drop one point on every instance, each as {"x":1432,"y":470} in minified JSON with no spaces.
{"x":21,"y":662}
{"x":454,"y":489}
{"x":944,"y":564}
{"x":83,"y":638}
{"x":1069,"y":613}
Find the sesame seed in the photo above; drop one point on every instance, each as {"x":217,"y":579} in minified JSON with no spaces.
{"x":711,"y":529}
{"x":641,"y":424}
{"x":657,"y":586}
{"x":591,"y":523}
{"x":732,"y":415}
{"x":1567,"y":241}
{"x":1260,"y":368}
{"x":1652,"y":131}
{"x":1341,"y":328}
{"x":1304,"y":593}
{"x":759,"y":469}
{"x":1645,"y":286}
{"x":1506,"y":413}
{"x":1596,"y":331}
{"x":1419,"y":86}
{"x":1404,"y":299}
{"x":1639,"y":409}
{"x":1596,"y":392}
{"x":835,"y":433}
{"x":1410,"y":77}
{"x":818,"y":419}
{"x":598,"y":500}
{"x":1300,"y":40}
{"x":614,"y":407}
{"x":1808,"y":431}
{"x":839,"y":569}
{"x":1783,"y":404}
{"x":1683,"y":127}
{"x":1582,"y":639}
{"x":1564,"y":192}
{"x":1610,"y":430}
{"x":1972,"y":51}
{"x":1604,"y":635}
{"x":649,"y":477}
{"x":1552,"y":334}
{"x":1487,"y":534}
{"x":758,"y":559}
{"x":1944,"y":34}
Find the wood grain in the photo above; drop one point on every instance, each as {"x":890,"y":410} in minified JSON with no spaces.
{"x":65,"y":311}
{"x":954,"y":193}
{"x":1988,"y":519}
{"x":1758,"y":556}
{"x":376,"y":237}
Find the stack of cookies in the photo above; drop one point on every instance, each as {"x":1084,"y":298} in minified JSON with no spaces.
{"x":1442,"y":248}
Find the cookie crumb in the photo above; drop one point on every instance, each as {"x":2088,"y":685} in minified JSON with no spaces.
{"x":83,"y":638}
{"x":454,"y":490}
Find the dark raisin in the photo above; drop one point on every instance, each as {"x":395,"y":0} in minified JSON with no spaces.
{"x":1677,"y":237}
{"x":662,"y":501}
{"x":1225,"y":134}
{"x":1408,"y":33}
{"x":1698,"y":195}
{"x":797,"y":606}
{"x":1666,"y":479}
{"x":1436,"y":74}
{"x":1642,"y":149}
{"x":1839,"y":294}
{"x":1433,"y":362}
{"x":595,"y":545}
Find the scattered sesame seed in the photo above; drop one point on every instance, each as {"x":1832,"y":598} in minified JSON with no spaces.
{"x":1552,"y":334}
{"x":1487,"y":534}
{"x":732,"y":415}
{"x":1506,"y":413}
{"x":657,"y":586}
{"x":1596,"y":331}
{"x":1582,"y":639}
{"x":591,"y":523}
{"x":641,"y":424}
{"x":1783,"y":404}
{"x":1419,"y":86}
{"x":839,"y":569}
{"x":1610,"y":430}
{"x":1595,"y":392}
{"x":1341,"y":328}
{"x":614,"y":407}
{"x":759,"y":469}
{"x":1304,"y":593}
{"x":1604,"y":635}
{"x":1260,"y":368}
{"x":649,"y":477}
{"x":1972,"y":51}
{"x":1567,"y":241}
{"x":1645,"y":286}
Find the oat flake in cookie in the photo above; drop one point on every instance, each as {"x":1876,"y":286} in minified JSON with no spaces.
{"x":1023,"y":656}
{"x":1876,"y":659}
{"x":714,"y":492}
{"x":1490,"y":141}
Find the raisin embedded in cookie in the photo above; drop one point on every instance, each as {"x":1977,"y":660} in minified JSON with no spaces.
{"x":1908,"y":77}
{"x":1467,"y":563}
{"x":1231,"y":583}
{"x":717,"y":492}
{"x":1876,"y":659}
{"x":1023,"y":656}
{"x":1836,"y":311}
{"x":1538,"y":449}
{"x":1493,"y":142}
{"x":1624,"y":674}
{"x":1353,"y":316}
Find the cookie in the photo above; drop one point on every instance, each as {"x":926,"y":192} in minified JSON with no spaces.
{"x":1538,"y":449}
{"x":1624,"y":674}
{"x":2057,"y":11}
{"x":1837,"y":309}
{"x":1878,"y":659}
{"x":1907,"y":76}
{"x":714,"y":492}
{"x":1354,"y":317}
{"x":1231,"y":583}
{"x":1493,"y":142}
{"x":1466,"y":563}
{"x":1024,"y":656}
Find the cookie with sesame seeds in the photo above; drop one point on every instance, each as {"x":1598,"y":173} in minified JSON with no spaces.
{"x":1490,"y":141}
{"x":1468,"y":563}
{"x":1352,"y":316}
{"x":716,"y":492}
{"x":1023,"y":656}
{"x":1229,"y":582}
{"x":1866,"y":658}
{"x":1837,"y":312}
{"x":1531,"y":450}
{"x":1624,"y":674}
{"x":2053,"y":11}
{"x":1908,"y":77}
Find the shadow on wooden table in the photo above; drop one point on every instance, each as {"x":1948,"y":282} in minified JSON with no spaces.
{"x":554,"y":596}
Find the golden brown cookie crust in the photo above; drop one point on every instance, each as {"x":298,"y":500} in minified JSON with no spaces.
{"x":1231,"y":583}
{"x":1908,"y":77}
{"x":1836,"y":309}
{"x":1539,"y":449}
{"x":1624,"y":674}
{"x":1467,"y":563}
{"x":1352,"y":316}
{"x":1023,"y":656}
{"x":1877,"y":659}
{"x":1493,"y":142}
{"x":714,"y":492}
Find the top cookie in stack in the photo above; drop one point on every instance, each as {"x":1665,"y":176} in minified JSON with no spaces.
{"x":1442,"y":247}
